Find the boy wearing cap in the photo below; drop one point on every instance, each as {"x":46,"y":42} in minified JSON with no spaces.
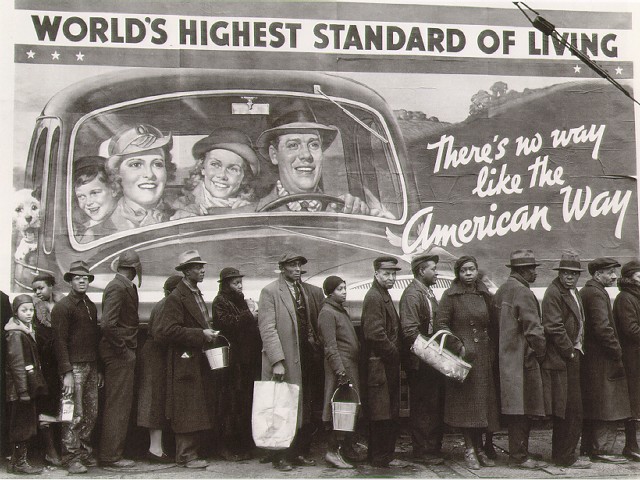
{"x":76,"y":333}
{"x":119,"y":325}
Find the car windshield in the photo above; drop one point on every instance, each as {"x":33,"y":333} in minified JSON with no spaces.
{"x":176,"y":157}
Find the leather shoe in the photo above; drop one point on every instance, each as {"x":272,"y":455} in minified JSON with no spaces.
{"x":582,"y":464}
{"x":397,"y":463}
{"x":608,"y":459}
{"x":335,"y":460}
{"x":282,"y":465}
{"x":164,"y":458}
{"x":429,"y":459}
{"x":302,"y":461}
{"x":490,"y":450}
{"x":471,"y":459}
{"x":631,"y":455}
{"x":484,"y":460}
{"x":531,"y":464}
{"x":76,"y":467}
{"x":89,"y":461}
{"x":122,"y":463}
{"x":196,"y":463}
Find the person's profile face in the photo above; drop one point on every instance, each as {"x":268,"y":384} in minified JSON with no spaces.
{"x":236,"y":285}
{"x":42,"y":290}
{"x":223,"y":172}
{"x":195,"y":273}
{"x":429,"y":272}
{"x":96,"y":199}
{"x":529,"y":274}
{"x":340,"y":293}
{"x":292,"y":271}
{"x":608,"y":276}
{"x":143,"y":177}
{"x":299,"y":159}
{"x":79,"y":283}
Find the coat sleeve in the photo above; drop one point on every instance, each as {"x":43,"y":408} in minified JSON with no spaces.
{"x":60,"y":325}
{"x":529,"y":319}
{"x":373,"y":327}
{"x":596,"y":313}
{"x":171,"y":326}
{"x":267,"y":324}
{"x":444,"y":317}
{"x":628,"y":319}
{"x":227,"y":318}
{"x":554,"y":326}
{"x":112,"y":300}
{"x":16,"y":363}
{"x":327,"y":330}
{"x":410,"y":317}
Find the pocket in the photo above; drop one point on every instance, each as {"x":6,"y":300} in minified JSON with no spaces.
{"x":185,"y":366}
{"x":377,"y":373}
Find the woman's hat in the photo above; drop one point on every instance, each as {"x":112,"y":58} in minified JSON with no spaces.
{"x":19,"y":300}
{"x":569,"y":261}
{"x":171,"y":283}
{"x":629,"y":268}
{"x":522,"y":258}
{"x":229,"y":272}
{"x":190,"y":257}
{"x":44,"y":277}
{"x":330,"y":284}
{"x":128,"y":259}
{"x":78,"y":267}
{"x":130,"y":140}
{"x":228,"y":139}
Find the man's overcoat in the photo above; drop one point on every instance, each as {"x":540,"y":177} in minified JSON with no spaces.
{"x":626,"y":311}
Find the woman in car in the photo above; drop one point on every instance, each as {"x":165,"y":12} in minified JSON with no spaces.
{"x":139,"y":166}
{"x":223,"y":178}
{"x":472,"y":405}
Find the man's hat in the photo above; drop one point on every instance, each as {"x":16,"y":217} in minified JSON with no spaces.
{"x":128,"y":259}
{"x":386,"y":263}
{"x":295,"y":117}
{"x":190,"y":257}
{"x":422,"y":258}
{"x":229,"y":272}
{"x":522,"y":258}
{"x":290,"y":256}
{"x":229,"y":139}
{"x":137,"y":139}
{"x":89,"y":163}
{"x":78,"y":267}
{"x":569,"y":261}
{"x":601,"y":263}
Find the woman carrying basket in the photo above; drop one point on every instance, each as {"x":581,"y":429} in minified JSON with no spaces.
{"x":471,"y":405}
{"x":341,"y":352}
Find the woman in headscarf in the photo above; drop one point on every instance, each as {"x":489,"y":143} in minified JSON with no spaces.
{"x":237,"y":320}
{"x":472,"y":405}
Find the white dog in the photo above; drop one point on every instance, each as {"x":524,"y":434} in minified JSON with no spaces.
{"x":26,"y":222}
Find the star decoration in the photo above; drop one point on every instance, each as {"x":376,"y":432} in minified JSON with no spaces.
{"x":619,"y":71}
{"x":577,"y":69}
{"x":80,"y":57}
{"x":55,"y":55}
{"x":31,"y":54}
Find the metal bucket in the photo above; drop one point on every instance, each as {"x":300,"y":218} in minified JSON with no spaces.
{"x":218,"y":357}
{"x":345,"y":410}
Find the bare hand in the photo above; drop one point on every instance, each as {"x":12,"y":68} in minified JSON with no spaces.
{"x":462,"y":351}
{"x":210,"y":335}
{"x":68,"y":384}
{"x":278,"y":372}
{"x":100,"y":379}
{"x":352,"y":205}
{"x":253,"y":307}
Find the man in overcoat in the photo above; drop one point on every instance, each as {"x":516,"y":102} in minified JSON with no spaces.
{"x":382,"y":345}
{"x":119,"y":325}
{"x":604,"y":384}
{"x":291,"y":351}
{"x":563,"y":322}
{"x":418,"y":307}
{"x":522,"y":348}
{"x":183,"y":326}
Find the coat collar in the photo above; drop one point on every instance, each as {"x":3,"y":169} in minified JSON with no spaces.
{"x":595,"y":284}
{"x":517,"y":277}
{"x":191,"y":304}
{"x":569,"y":299}
{"x":330,"y":301}
{"x":16,"y":325}
{"x":386,"y":296}
{"x":457,"y":288}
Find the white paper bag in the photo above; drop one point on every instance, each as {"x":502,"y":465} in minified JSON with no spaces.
{"x":275,"y":414}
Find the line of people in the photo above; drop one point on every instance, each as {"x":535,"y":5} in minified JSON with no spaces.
{"x":575,"y":358}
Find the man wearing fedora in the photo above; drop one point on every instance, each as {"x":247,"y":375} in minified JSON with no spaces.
{"x":604,"y":384}
{"x":291,"y":351}
{"x":76,"y":333}
{"x":563,"y":322}
{"x":119,"y":325}
{"x":418,"y":307}
{"x":382,"y":345}
{"x":522,"y":348}
{"x":184,"y":327}
{"x":295,"y":143}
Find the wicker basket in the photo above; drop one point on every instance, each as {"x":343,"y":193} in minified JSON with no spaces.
{"x":439,"y":358}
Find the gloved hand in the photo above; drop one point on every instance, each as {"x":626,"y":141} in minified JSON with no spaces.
{"x":343,"y":379}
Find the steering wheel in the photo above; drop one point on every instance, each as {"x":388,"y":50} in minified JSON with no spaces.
{"x":323,"y":198}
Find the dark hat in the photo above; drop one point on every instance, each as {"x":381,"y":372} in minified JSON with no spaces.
{"x":137,"y":139}
{"x":330,"y":284}
{"x":78,"y":267}
{"x":522,"y":258}
{"x":386,"y":263}
{"x":601,"y":264}
{"x":44,"y":277}
{"x":569,"y":261}
{"x":461,"y":261}
{"x":629,"y":268}
{"x":128,"y":259}
{"x":171,"y":283}
{"x":229,"y":272}
{"x":290,"y":256}
{"x":228,"y":139}
{"x":84,"y":164}
{"x":19,"y":300}
{"x":190,"y":257}
{"x":422,"y":258}
{"x":295,"y":117}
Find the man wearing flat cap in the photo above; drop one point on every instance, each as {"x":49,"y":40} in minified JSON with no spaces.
{"x":183,"y":326}
{"x":563,"y":322}
{"x":291,"y":351}
{"x":418,"y":307}
{"x":119,"y":325}
{"x":382,"y":345}
{"x":604,"y":384}
{"x":75,"y":335}
{"x":522,"y":348}
{"x":295,"y":143}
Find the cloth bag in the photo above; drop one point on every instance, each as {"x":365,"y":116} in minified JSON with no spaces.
{"x":274,"y":415}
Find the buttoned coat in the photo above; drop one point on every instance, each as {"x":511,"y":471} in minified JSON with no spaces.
{"x":561,"y":321}
{"x":522,"y":348}
{"x":415,"y":318}
{"x":626,"y":312}
{"x":279,"y":332}
{"x":382,"y":344}
{"x":190,"y":395}
{"x":604,"y":384}
{"x":119,"y":321}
